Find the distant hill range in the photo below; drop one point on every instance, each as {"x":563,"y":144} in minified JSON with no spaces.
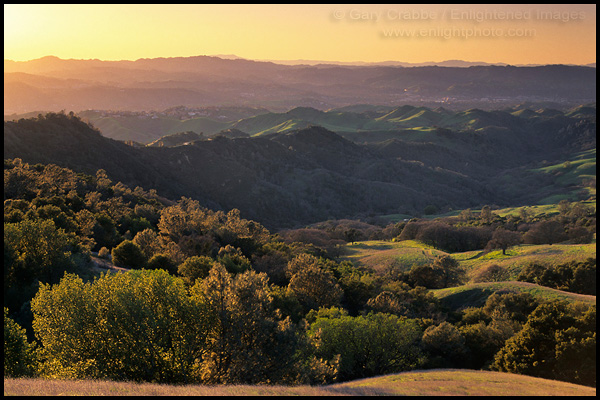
{"x":446,"y":63}
{"x":360,"y":123}
{"x":53,"y":84}
{"x":291,"y":177}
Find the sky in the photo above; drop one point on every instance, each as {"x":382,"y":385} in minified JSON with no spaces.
{"x":514,"y":34}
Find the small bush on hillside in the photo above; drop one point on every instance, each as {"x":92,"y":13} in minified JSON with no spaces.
{"x":128,"y":255}
{"x":492,"y":273}
{"x":104,"y":253}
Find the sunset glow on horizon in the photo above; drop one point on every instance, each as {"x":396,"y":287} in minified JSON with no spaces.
{"x":514,"y":34}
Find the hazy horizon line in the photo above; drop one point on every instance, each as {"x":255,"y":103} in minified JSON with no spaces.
{"x":310,"y":62}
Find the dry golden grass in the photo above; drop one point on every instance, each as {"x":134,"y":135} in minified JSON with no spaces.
{"x":441,"y":382}
{"x":462,"y":382}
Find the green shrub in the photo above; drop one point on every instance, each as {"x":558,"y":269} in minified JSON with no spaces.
{"x":196,"y":267}
{"x":128,"y":255}
{"x":139,"y":326}
{"x":19,"y":355}
{"x":370,"y":345}
{"x":162,"y":261}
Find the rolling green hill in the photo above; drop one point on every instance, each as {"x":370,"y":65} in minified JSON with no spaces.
{"x":176,"y":139}
{"x":577,"y":172}
{"x":440,"y":382}
{"x":475,"y":294}
{"x":380,"y":256}
{"x":518,"y":257}
{"x":364,"y":124}
{"x":295,"y":171}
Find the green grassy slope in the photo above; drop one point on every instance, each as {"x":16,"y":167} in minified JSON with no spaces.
{"x":577,"y":172}
{"x":379,"y":256}
{"x":518,"y":257}
{"x":441,"y":382}
{"x":475,"y":294}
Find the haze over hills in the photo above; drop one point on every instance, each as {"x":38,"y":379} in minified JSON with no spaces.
{"x":295,"y":144}
{"x":445,"y":63}
{"x":52,"y":84}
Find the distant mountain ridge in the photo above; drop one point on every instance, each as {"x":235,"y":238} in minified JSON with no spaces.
{"x":52,"y":84}
{"x":445,"y":63}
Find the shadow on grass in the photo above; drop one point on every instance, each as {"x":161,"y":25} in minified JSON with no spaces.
{"x":475,"y":297}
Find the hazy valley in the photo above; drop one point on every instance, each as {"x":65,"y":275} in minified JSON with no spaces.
{"x":53,"y":84}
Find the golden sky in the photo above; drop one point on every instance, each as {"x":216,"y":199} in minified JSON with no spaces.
{"x":515,"y":34}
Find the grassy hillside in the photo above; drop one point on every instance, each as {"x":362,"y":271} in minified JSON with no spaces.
{"x":475,"y":294}
{"x":536,"y":209}
{"x":578,"y":172}
{"x":519,"y":256}
{"x":381,"y":255}
{"x":413,"y":383}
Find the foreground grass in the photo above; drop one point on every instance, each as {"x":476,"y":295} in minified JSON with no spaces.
{"x":441,"y":382}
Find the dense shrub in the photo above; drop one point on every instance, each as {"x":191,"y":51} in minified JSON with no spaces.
{"x":128,"y":255}
{"x":369,"y":345}
{"x":162,"y":261}
{"x":445,"y":345}
{"x":250,"y":343}
{"x":443,"y":272}
{"x":492,"y":273}
{"x":577,"y":277}
{"x":558,"y":341}
{"x":19,"y":355}
{"x":447,"y":237}
{"x":140,"y":326}
{"x":194,"y":268}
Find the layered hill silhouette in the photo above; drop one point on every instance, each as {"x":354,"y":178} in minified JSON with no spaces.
{"x":52,"y":84}
{"x":361,"y":124}
{"x":292,"y":177}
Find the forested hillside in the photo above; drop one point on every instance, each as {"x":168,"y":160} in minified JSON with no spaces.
{"x":293,"y":177}
{"x":210,"y":297}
